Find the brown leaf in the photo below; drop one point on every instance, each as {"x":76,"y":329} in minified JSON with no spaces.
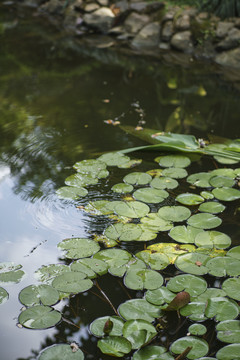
{"x":180,"y":300}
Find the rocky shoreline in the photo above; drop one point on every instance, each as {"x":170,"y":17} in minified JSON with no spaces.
{"x":148,"y":28}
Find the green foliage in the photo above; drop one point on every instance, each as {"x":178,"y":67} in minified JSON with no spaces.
{"x":222,"y":8}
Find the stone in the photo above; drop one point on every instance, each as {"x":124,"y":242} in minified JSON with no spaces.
{"x":148,"y":37}
{"x":146,"y":7}
{"x":229,"y":58}
{"x":103,"y":2}
{"x":222,"y":28}
{"x":167,"y":31}
{"x":182,"y":41}
{"x":101,"y":19}
{"x":182,"y":22}
{"x":164,"y":46}
{"x":53,"y":6}
{"x":135,"y":22}
{"x":90,"y":7}
{"x":237,"y":23}
{"x":232,"y":40}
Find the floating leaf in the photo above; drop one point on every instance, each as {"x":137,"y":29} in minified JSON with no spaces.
{"x":72,"y":282}
{"x":9,"y":266}
{"x":193,"y":263}
{"x":222,"y":266}
{"x":171,"y":250}
{"x":226,"y":194}
{"x":122,"y":188}
{"x":179,"y":301}
{"x":133,"y":264}
{"x":175,"y":173}
{"x":200,"y":179}
{"x":138,"y":332}
{"x":97,"y":326}
{"x":174,"y":213}
{"x":156,"y":261}
{"x":221,"y":308}
{"x":189,"y":199}
{"x":229,"y":331}
{"x":208,"y":294}
{"x":184,"y":234}
{"x":194,"y":285}
{"x":89,"y":166}
{"x":207,"y":195}
{"x":159,"y":296}
{"x":132,"y":209}
{"x":139,"y":279}
{"x":77,"y":248}
{"x":154,"y":222}
{"x":149,"y":195}
{"x":61,"y":351}
{"x":152,"y":353}
{"x":130,"y":164}
{"x":113,"y":257}
{"x":123,"y":232}
{"x":11,"y":277}
{"x":232,"y":288}
{"x":197,"y":329}
{"x":114,"y":158}
{"x":212,"y":239}
{"x":47,"y":273}
{"x":39,"y":317}
{"x":115,"y":346}
{"x":38,"y":294}
{"x":3,"y":295}
{"x":71,"y":192}
{"x":137,"y":178}
{"x":199,"y":347}
{"x":229,"y":352}
{"x":194,"y":310}
{"x":164,"y":182}
{"x":174,"y":161}
{"x":221,"y":181}
{"x":80,"y":180}
{"x":204,"y":221}
{"x":212,"y":207}
{"x":234,"y":252}
{"x":91,"y":267}
{"x":139,"y":309}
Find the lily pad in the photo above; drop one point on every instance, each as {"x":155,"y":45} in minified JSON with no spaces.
{"x":232,"y":288}
{"x":123,"y":232}
{"x":212,"y":207}
{"x":226,"y":194}
{"x":114,"y":158}
{"x":139,"y":309}
{"x":207,"y":195}
{"x":3,"y":295}
{"x":152,"y":353}
{"x":154,"y":222}
{"x":113,"y":257}
{"x":194,"y":310}
{"x":130,"y":164}
{"x":174,"y":161}
{"x":175,"y":173}
{"x":189,"y":199}
{"x":49,"y":272}
{"x":137,"y":178}
{"x":155,"y":260}
{"x":159,"y":296}
{"x":224,"y":265}
{"x":221,"y":181}
{"x":38,"y":294}
{"x":71,"y":192}
{"x":89,"y":166}
{"x":139,"y":279}
{"x":212,"y":239}
{"x":77,"y":248}
{"x":149,"y":195}
{"x":222,"y":309}
{"x":72,"y":282}
{"x":91,"y":267}
{"x":192,"y":284}
{"x":204,"y":221}
{"x":11,"y":277}
{"x":193,"y":263}
{"x":138,"y":332}
{"x":224,"y":172}
{"x":199,"y":347}
{"x":200,"y":179}
{"x":229,"y":352}
{"x":164,"y":182}
{"x":97,"y":326}
{"x":171,"y":250}
{"x":39,"y":317}
{"x":116,"y":346}
{"x":197,"y":329}
{"x":80,"y":180}
{"x":184,"y":234}
{"x":174,"y":213}
{"x":122,"y":188}
{"x":234,"y":252}
{"x":229,"y":331}
{"x":61,"y":351}
{"x":132,"y":209}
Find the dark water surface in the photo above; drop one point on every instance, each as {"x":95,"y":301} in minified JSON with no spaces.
{"x":53,"y":103}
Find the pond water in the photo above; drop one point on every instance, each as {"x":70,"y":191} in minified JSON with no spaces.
{"x":54,"y":103}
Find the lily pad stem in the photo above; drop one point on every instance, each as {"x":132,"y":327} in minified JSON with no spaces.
{"x":107,"y":298}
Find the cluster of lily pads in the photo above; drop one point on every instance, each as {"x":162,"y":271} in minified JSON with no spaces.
{"x":146,"y":209}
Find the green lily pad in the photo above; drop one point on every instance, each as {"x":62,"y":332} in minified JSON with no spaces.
{"x":97,"y":326}
{"x":199,"y":346}
{"x":39,"y":317}
{"x":192,"y":284}
{"x":171,"y":250}
{"x":77,"y":248}
{"x":222,"y":181}
{"x":80,"y":180}
{"x":3,"y":295}
{"x":154,"y":222}
{"x":133,"y":264}
{"x":89,"y":166}
{"x":159,"y":296}
{"x":200,"y":179}
{"x":113,"y":257}
{"x":208,"y":294}
{"x":72,"y":282}
{"x":193,"y":263}
{"x":175,"y":173}
{"x":11,"y":277}
{"x":114,"y":158}
{"x":156,"y":261}
{"x":71,"y":192}
{"x":204,"y":221}
{"x":174,"y":213}
{"x":222,"y":266}
{"x":197,"y":329}
{"x":9,"y":266}
{"x":49,"y":272}
{"x":99,"y":207}
{"x":123,"y":232}
{"x":137,"y":178}
{"x":122,"y":188}
{"x":184,"y":234}
{"x":130,"y":164}
{"x":139,"y":279}
{"x":222,"y":309}
{"x":138,"y":332}
{"x":226,"y":194}
{"x":139,"y":309}
{"x":38,"y":294}
{"x":229,"y":352}
{"x":164,"y":182}
{"x":232,"y":288}
{"x":150,"y":195}
{"x":212,"y":239}
{"x":225,"y":161}
{"x":212,"y":207}
{"x":189,"y":199}
{"x":116,"y":346}
{"x":207,"y":195}
{"x":194,"y":310}
{"x":61,"y":351}
{"x":234,"y":252}
{"x":152,"y":353}
{"x":229,"y":331}
{"x":132,"y":209}
{"x":178,"y":161}
{"x":91,"y":267}
{"x":224,"y":172}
